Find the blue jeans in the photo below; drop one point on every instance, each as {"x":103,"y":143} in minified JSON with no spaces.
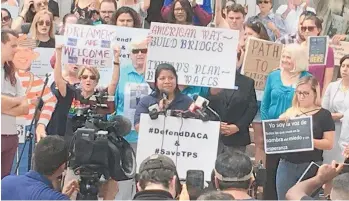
{"x":287,"y":176}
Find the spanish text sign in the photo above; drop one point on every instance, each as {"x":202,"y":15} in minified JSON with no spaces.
{"x":202,"y":56}
{"x":192,"y":144}
{"x":295,"y":135}
{"x":261,"y":58}
{"x":340,"y":51}
{"x":318,"y":49}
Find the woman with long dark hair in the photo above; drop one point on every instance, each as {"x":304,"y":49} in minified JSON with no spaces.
{"x":13,"y":101}
{"x":126,"y":17}
{"x":184,"y":12}
{"x":166,"y":80}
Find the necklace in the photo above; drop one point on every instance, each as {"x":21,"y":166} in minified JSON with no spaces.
{"x":307,"y":112}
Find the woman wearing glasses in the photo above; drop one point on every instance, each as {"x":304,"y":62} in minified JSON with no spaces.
{"x":336,"y":100}
{"x":292,"y":165}
{"x":277,"y":98}
{"x":185,"y":12}
{"x":312,"y":26}
{"x":6,"y":19}
{"x":79,"y":97}
{"x":274,"y":23}
{"x":41,"y":29}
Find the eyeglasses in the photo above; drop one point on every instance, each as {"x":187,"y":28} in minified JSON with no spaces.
{"x":137,"y":51}
{"x":43,"y":3}
{"x":265,"y":2}
{"x":92,"y":77}
{"x":179,"y":9}
{"x":302,"y":93}
{"x":42,"y":22}
{"x":5,"y":19}
{"x":309,"y":28}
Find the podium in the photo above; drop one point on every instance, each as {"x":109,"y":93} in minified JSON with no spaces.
{"x":191,"y":143}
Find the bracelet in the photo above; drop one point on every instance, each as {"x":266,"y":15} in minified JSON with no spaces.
{"x":116,"y":63}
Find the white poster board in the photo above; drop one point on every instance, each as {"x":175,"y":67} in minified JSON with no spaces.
{"x":192,"y":144}
{"x":41,"y":66}
{"x":93,"y":45}
{"x":202,"y":56}
{"x":21,"y":124}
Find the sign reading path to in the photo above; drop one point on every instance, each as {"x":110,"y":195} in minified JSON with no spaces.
{"x":295,"y":135}
{"x":339,"y":51}
{"x":202,"y":56}
{"x":191,"y":143}
{"x":260,"y":59}
{"x":318,"y":48}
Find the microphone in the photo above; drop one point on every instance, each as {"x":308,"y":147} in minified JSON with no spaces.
{"x":197,"y":110}
{"x":154,"y":111}
{"x":118,"y":125}
{"x":202,"y":102}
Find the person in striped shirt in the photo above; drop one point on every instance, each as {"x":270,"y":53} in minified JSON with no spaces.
{"x":33,"y":87}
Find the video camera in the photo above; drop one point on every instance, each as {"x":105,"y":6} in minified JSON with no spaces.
{"x":100,"y":151}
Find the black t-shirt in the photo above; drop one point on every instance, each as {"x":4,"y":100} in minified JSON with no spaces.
{"x":53,"y":8}
{"x":322,"y":122}
{"x":48,"y":44}
{"x":58,"y":122}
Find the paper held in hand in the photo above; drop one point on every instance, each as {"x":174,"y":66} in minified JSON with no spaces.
{"x":202,"y":56}
{"x":191,"y":143}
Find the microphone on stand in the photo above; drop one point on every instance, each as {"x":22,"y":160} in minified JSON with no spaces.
{"x":202,"y":103}
{"x":197,"y":110}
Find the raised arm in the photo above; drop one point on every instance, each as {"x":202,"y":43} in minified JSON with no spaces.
{"x":57,"y":72}
{"x":218,"y":19}
{"x":145,"y":5}
{"x":116,"y":72}
{"x":18,"y":21}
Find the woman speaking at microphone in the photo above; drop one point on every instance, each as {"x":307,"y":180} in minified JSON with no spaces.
{"x":166,"y":80}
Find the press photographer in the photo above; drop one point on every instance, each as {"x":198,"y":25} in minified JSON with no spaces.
{"x":49,"y":160}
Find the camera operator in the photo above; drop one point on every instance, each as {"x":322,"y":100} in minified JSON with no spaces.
{"x":50,"y":156}
{"x":80,"y":98}
{"x":326,"y":175}
{"x":158,"y":179}
{"x":234,"y":174}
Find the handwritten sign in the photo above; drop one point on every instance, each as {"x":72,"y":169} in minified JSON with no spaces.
{"x":191,"y":143}
{"x":41,"y":66}
{"x":87,"y":45}
{"x":202,"y":56}
{"x":260,"y":59}
{"x":318,"y":48}
{"x":294,"y":135}
{"x":339,"y":51}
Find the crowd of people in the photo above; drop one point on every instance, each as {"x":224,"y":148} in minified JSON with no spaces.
{"x":293,"y":89}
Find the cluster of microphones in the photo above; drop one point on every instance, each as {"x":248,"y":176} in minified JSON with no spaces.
{"x":196,"y":110}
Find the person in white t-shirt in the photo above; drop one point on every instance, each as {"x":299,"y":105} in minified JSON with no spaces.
{"x":13,"y":101}
{"x":291,"y":12}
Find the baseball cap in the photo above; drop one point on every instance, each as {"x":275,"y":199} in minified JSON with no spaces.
{"x":157,"y":161}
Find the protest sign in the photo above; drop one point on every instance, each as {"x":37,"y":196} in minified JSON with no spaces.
{"x":261,"y":57}
{"x":295,"y":135}
{"x":202,"y":56}
{"x":93,"y":45}
{"x":318,"y":49}
{"x":12,"y":9}
{"x":21,"y":124}
{"x":339,"y":51}
{"x":191,"y":143}
{"x":41,"y":66}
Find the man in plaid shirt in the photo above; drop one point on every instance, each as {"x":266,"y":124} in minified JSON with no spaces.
{"x":296,"y":37}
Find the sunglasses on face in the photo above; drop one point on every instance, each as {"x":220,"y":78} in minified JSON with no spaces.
{"x":137,"y":51}
{"x":265,"y":2}
{"x":42,"y":22}
{"x":43,"y":3}
{"x":92,"y":77}
{"x":309,"y":28}
{"x":5,"y":19}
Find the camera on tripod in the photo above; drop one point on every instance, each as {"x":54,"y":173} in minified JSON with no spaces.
{"x":100,"y":151}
